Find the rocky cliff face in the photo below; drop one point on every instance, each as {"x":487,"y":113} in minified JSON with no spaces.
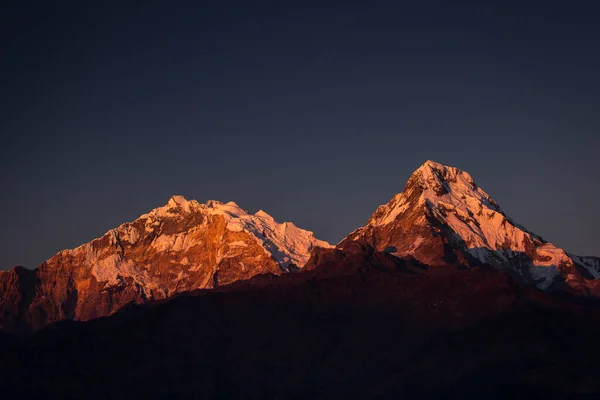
{"x":442,"y":217}
{"x":179,"y":247}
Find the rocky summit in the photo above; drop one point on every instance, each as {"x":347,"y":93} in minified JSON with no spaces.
{"x":442,"y":217}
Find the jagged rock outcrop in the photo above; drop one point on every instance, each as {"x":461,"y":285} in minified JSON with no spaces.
{"x":179,"y":247}
{"x":442,"y":217}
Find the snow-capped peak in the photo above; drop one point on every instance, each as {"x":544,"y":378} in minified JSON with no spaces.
{"x":432,"y":173}
{"x":436,"y":186}
{"x":287,"y":243}
{"x":179,"y":201}
{"x":261,"y":213}
{"x":451,"y":183}
{"x":447,"y":201}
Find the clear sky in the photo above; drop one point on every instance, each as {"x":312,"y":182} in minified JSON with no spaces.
{"x":316,"y":112}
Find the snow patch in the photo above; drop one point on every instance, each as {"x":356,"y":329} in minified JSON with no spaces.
{"x":591,"y":264}
{"x":284,"y":242}
{"x":544,"y":276}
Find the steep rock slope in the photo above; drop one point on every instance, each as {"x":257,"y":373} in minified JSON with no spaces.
{"x":179,"y":247}
{"x":442,"y":217}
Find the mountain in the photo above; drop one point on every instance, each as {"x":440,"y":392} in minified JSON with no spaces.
{"x":176,"y":248}
{"x":444,"y":218}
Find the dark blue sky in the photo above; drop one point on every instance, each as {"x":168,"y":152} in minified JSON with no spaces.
{"x":316,"y":113}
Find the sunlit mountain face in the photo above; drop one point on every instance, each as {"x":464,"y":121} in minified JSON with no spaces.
{"x":442,"y":218}
{"x":176,"y":248}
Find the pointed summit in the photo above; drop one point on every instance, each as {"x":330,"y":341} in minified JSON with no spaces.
{"x":443,"y":217}
{"x":433,"y":165}
{"x":263,"y":214}
{"x":429,"y":167}
{"x":441,"y":179}
{"x":431,"y":184}
{"x":178,"y":201}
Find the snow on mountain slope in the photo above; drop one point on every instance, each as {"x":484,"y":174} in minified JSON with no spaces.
{"x":590,"y":264}
{"x":285,"y":242}
{"x":184,"y":229}
{"x":443,"y":216}
{"x":179,"y":247}
{"x":288,"y":244}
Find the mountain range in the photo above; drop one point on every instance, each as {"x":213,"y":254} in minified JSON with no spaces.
{"x":441,"y":218}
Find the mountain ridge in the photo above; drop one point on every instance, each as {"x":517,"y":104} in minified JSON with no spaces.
{"x":442,"y":218}
{"x":181,"y":246}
